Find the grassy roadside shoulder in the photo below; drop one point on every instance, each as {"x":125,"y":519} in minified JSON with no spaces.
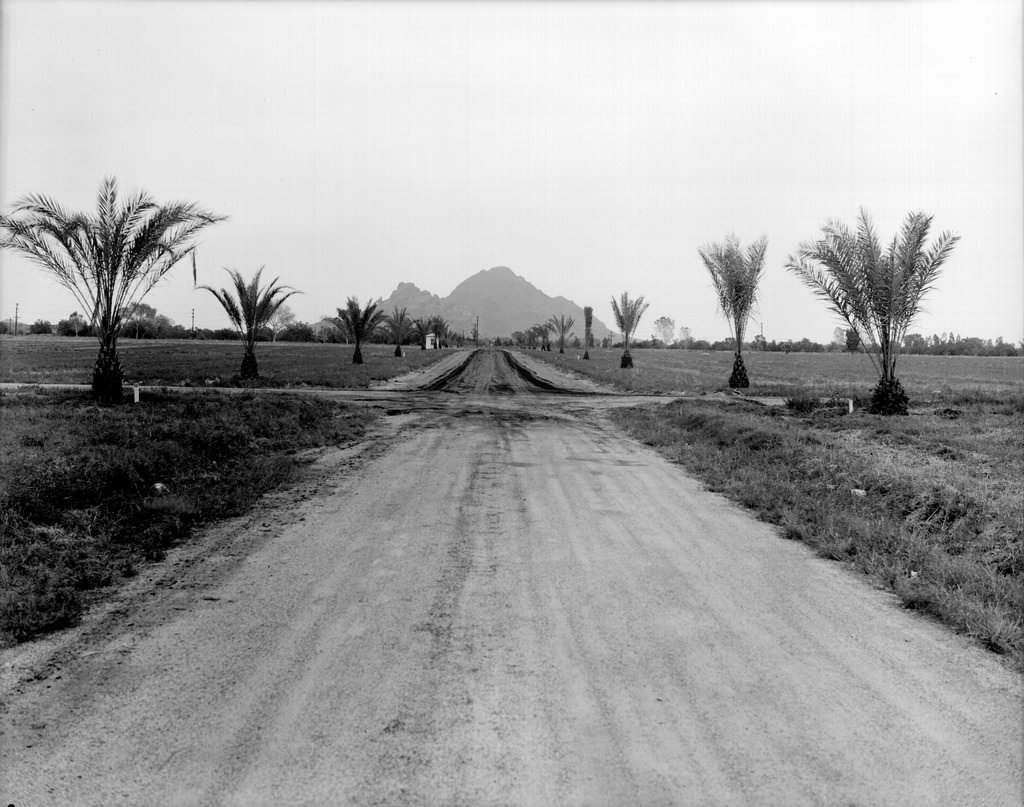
{"x":88,"y":492}
{"x":927,"y":505}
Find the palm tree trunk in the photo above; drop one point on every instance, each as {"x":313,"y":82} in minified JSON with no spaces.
{"x":627,"y":357}
{"x":249,"y":367}
{"x":107,"y":376}
{"x":357,"y":357}
{"x":739,"y":378}
{"x":398,"y":351}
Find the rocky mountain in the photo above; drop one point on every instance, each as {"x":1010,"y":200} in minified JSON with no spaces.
{"x":504,"y":301}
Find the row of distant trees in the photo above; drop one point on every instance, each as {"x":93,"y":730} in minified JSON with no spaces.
{"x":147,"y":323}
{"x":843,"y":339}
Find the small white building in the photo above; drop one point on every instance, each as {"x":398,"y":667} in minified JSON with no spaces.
{"x":431,"y":341}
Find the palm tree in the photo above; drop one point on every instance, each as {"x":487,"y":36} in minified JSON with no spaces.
{"x":588,"y":320}
{"x":627,"y":314}
{"x":360,"y":323}
{"x":439,"y":328}
{"x":878,"y":293}
{"x":250,"y":308}
{"x":735,"y":274}
{"x":109,"y":262}
{"x":420,"y":329}
{"x":562,"y":326}
{"x":399,"y":324}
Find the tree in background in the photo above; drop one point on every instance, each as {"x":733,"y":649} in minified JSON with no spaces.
{"x":852,"y":340}
{"x":544,"y":334}
{"x":72,"y":326}
{"x":735,"y":275}
{"x":40,"y":326}
{"x":664,"y":330}
{"x":439,"y":327}
{"x":420,"y":329}
{"x":588,"y":321}
{"x":250,"y":308}
{"x":685,"y":337}
{"x":109,"y":261}
{"x":399,"y":326}
{"x":360,"y":323}
{"x":562,"y":326}
{"x":877,"y":292}
{"x":282,"y":319}
{"x":143,"y":315}
{"x":627,"y":315}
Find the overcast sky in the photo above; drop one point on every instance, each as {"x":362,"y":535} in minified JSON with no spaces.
{"x":591,"y":147}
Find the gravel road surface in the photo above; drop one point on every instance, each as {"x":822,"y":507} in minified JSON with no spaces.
{"x":502,"y":600}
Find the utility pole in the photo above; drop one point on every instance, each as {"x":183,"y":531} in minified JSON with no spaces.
{"x":16,"y":319}
{"x":193,"y":323}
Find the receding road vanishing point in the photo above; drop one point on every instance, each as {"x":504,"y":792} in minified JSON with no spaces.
{"x":502,"y":600}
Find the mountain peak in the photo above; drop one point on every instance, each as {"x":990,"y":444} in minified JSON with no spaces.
{"x":503,"y":301}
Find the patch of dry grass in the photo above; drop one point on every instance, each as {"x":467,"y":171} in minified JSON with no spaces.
{"x":87,"y":492}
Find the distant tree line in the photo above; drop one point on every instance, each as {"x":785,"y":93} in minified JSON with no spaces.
{"x":149,"y":324}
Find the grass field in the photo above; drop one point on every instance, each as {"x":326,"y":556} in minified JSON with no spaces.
{"x":926,"y":378}
{"x":66,"y":360}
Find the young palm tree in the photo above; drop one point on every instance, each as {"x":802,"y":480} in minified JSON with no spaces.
{"x":399,"y":324}
{"x":588,"y":320}
{"x":877,"y":292}
{"x":439,"y":328}
{"x":250,"y":308}
{"x":627,"y":314}
{"x":420,"y":329}
{"x":360,"y":323}
{"x":109,"y":261}
{"x":562,"y":326}
{"x":735,"y":274}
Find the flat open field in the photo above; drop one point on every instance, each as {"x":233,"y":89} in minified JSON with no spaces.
{"x":65,"y":360}
{"x":824,"y":374}
{"x":178,"y":362}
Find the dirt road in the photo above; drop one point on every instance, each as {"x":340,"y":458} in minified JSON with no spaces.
{"x":505,"y":604}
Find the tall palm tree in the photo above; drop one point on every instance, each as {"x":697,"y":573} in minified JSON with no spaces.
{"x":399,"y":324}
{"x":420,"y":329}
{"x":250,"y":308}
{"x":877,"y":292}
{"x":736,"y":274}
{"x":109,"y":262}
{"x":562,"y":326}
{"x":360,"y":323}
{"x":627,"y":314}
{"x":588,"y":321}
